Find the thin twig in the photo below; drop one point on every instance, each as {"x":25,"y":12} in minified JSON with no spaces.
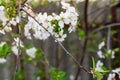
{"x":104,"y":27}
{"x":86,"y":39}
{"x":109,"y":47}
{"x":19,"y":42}
{"x":68,"y":53}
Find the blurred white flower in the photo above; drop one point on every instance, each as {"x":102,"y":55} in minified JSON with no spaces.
{"x":15,"y":50}
{"x":7,"y":29}
{"x":14,"y":21}
{"x":117,"y":70}
{"x":2,"y":31}
{"x":99,"y":66}
{"x":101,"y":45}
{"x":2,"y":60}
{"x":111,"y":76}
{"x":31,"y":52}
{"x":3,"y":18}
{"x":2,"y":43}
{"x":18,"y":42}
{"x":112,"y":53}
{"x":71,"y":77}
{"x":100,"y":54}
{"x":61,"y":24}
{"x":65,"y":5}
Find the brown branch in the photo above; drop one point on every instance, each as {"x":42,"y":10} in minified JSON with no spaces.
{"x":85,"y":26}
{"x":68,"y":53}
{"x":19,"y":59}
{"x":104,"y":27}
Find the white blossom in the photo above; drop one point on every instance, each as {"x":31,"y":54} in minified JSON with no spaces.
{"x":100,"y":54}
{"x":65,"y":5}
{"x":18,"y":42}
{"x":112,"y":53}
{"x":7,"y":29}
{"x":111,"y":76}
{"x":99,"y":66}
{"x":46,"y":24}
{"x":14,"y":21}
{"x":2,"y":43}
{"x":31,"y":52}
{"x":71,"y":77}
{"x":2,"y":60}
{"x":101,"y":45}
{"x":15,"y":50}
{"x":117,"y":70}
{"x":61,"y":24}
{"x":2,"y":15}
{"x":2,"y":31}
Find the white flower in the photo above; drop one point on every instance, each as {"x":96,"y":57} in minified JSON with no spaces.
{"x":3,"y":60}
{"x":117,"y":70}
{"x":2,"y":43}
{"x":101,"y":45}
{"x":38,"y":78}
{"x":60,"y":36}
{"x":15,"y":50}
{"x":111,"y":76}
{"x":100,"y":54}
{"x":112,"y":53}
{"x":14,"y":21}
{"x":61,"y":24}
{"x":2,"y":31}
{"x":2,"y":15}
{"x":31,"y":52}
{"x":7,"y":29}
{"x":18,"y":42}
{"x":99,"y":66}
{"x":71,"y":77}
{"x":47,"y":23}
{"x":65,"y":5}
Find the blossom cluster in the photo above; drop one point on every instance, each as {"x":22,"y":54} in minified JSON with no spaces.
{"x":7,"y":23}
{"x":52,"y":24}
{"x":16,"y":45}
{"x":114,"y":72}
{"x":110,"y":53}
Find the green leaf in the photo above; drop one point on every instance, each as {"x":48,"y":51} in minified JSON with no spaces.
{"x":93,"y":62}
{"x":99,"y":75}
{"x":61,"y":74}
{"x":81,"y":34}
{"x":110,"y":17}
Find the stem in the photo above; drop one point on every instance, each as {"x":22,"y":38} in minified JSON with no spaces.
{"x":104,"y":27}
{"x":86,"y":39}
{"x":19,"y":60}
{"x":109,"y":47}
{"x":68,"y":53}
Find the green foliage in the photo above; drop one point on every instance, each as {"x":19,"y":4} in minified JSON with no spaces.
{"x":110,"y":17}
{"x":20,"y":75}
{"x":11,"y":7}
{"x":112,"y":32}
{"x":39,"y":54}
{"x":57,"y":75}
{"x":81,"y":34}
{"x":56,"y":28}
{"x":113,"y":1}
{"x":98,"y":74}
{"x":4,"y":50}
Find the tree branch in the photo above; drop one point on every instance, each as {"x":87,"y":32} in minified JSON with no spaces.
{"x":85,"y":26}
